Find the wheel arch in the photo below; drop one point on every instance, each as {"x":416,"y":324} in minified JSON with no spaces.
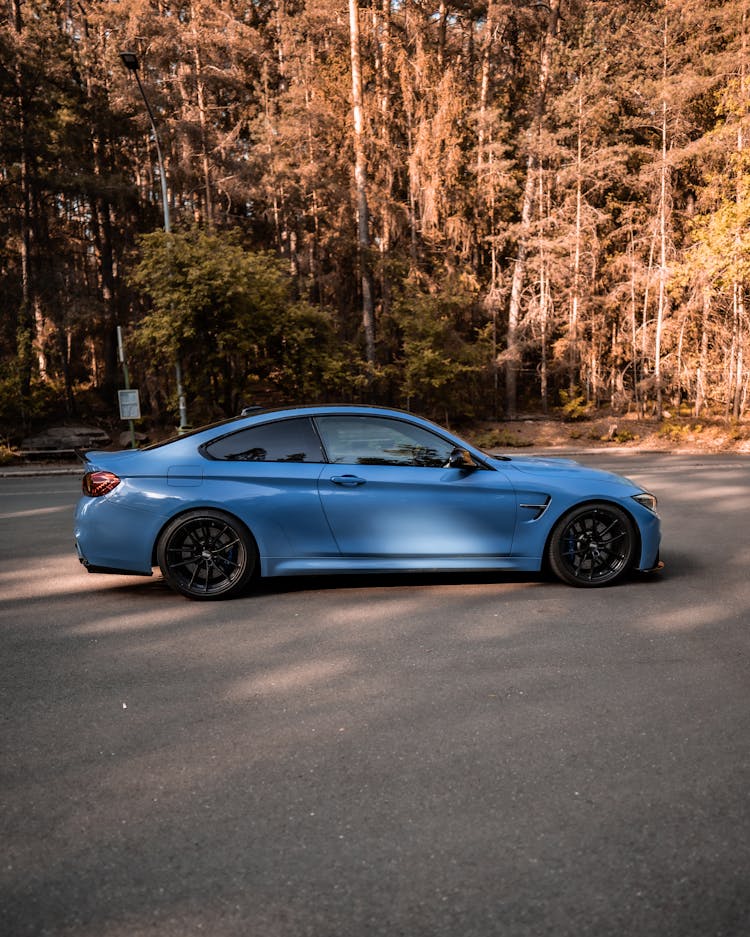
{"x":581,"y":504}
{"x":189,"y":509}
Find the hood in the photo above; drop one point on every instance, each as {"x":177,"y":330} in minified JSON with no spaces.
{"x":552,"y":467}
{"x":536,"y":463}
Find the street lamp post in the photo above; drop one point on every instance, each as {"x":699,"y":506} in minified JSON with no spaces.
{"x":130,"y":61}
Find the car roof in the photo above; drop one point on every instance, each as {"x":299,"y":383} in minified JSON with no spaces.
{"x":251,"y":415}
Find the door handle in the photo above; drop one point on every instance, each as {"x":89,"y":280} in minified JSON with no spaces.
{"x":348,"y":481}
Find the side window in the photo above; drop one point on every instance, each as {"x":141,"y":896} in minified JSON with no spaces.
{"x":371,"y":440}
{"x":283,"y":441}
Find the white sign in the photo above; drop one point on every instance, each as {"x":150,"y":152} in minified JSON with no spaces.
{"x":130,"y":405}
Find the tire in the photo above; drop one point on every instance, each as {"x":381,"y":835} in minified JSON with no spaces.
{"x":206,"y":554}
{"x":592,"y":545}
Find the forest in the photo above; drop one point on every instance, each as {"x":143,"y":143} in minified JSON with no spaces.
{"x":473,"y":210}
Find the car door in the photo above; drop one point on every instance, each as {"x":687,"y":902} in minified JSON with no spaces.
{"x":267,"y":474}
{"x":387,"y":492}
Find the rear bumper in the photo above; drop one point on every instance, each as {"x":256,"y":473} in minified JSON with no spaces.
{"x":112,"y":538}
{"x":111,"y":569}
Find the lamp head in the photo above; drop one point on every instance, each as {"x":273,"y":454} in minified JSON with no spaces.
{"x":130,"y":60}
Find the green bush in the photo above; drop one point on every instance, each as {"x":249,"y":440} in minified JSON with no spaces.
{"x":738,"y":432}
{"x":622,"y":435}
{"x":677,"y":432}
{"x":7,"y":455}
{"x":500,"y":439}
{"x":19,"y":413}
{"x":573,"y":406}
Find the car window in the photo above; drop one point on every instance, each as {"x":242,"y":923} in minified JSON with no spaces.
{"x":282,"y":441}
{"x":370,"y":440}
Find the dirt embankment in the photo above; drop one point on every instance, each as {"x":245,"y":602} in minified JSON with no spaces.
{"x":608,"y":432}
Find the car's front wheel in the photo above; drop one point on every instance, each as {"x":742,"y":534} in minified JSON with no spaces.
{"x":592,"y":545}
{"x":206,"y":554}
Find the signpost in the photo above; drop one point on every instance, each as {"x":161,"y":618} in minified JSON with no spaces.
{"x":130,"y":404}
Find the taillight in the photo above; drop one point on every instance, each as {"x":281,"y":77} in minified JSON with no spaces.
{"x":96,"y":484}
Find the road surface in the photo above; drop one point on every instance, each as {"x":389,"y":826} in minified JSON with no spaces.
{"x":461,"y":756}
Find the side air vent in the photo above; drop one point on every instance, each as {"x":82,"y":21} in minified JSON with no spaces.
{"x":537,"y":508}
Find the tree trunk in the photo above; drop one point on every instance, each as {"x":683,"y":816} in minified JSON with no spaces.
{"x":316,"y":273}
{"x":661,"y":309}
{"x":101,"y":227}
{"x":739,"y":286}
{"x":700,"y":379}
{"x":634,"y":326}
{"x":360,"y":184}
{"x":25,"y":315}
{"x":382,"y":29}
{"x":575,"y":297}
{"x":442,"y":24}
{"x":513,"y":351}
{"x":202,"y":120}
{"x":486,"y":192}
{"x":544,"y":296}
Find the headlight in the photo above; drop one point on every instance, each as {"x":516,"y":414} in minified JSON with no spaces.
{"x":647,"y":500}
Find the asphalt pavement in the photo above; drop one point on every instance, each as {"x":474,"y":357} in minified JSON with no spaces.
{"x":414,"y":756}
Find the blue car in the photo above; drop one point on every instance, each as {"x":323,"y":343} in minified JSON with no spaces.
{"x":352,"y":489}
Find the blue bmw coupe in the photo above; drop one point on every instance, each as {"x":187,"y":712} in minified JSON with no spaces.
{"x":352,"y":489}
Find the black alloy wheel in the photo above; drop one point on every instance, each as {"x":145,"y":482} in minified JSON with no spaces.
{"x":206,"y":555}
{"x":593,"y":545}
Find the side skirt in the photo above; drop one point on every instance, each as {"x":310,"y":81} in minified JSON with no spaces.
{"x":286,"y":566}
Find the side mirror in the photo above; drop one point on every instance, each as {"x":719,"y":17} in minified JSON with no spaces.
{"x":462,"y":459}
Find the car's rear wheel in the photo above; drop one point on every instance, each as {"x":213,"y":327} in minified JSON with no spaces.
{"x":592,"y":545}
{"x":206,"y":554}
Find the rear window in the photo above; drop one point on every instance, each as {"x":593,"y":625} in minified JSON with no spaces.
{"x":284,"y":441}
